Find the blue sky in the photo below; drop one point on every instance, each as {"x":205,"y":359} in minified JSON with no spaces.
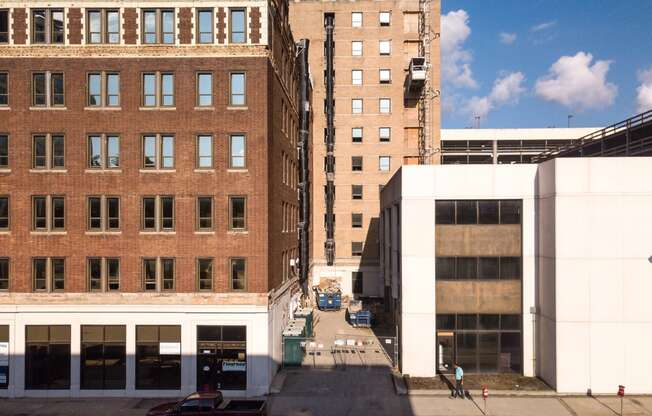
{"x":531,"y":63}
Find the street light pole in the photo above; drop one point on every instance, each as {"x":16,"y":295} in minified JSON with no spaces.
{"x":568,"y":120}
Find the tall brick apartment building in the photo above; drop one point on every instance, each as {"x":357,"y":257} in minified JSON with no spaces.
{"x":383,"y":117}
{"x":147,"y":195}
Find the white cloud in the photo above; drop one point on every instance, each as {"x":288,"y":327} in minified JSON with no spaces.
{"x":507,"y":38}
{"x":573,"y":82}
{"x":644,"y":97}
{"x":543,"y":26}
{"x":455,"y":60}
{"x":506,"y":90}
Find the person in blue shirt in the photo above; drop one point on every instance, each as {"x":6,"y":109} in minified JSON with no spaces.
{"x":459,"y":382}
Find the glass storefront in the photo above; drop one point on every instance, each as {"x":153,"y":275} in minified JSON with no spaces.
{"x":221,"y":358}
{"x":103,"y":357}
{"x":479,"y":343}
{"x":47,"y":357}
{"x":158,"y":357}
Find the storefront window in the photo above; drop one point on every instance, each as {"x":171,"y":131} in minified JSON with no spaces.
{"x":158,"y":357}
{"x":4,"y":356}
{"x":222,"y":357}
{"x":103,"y":357}
{"x":47,"y":357}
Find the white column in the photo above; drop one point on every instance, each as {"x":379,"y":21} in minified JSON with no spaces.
{"x":75,"y":358}
{"x":131,"y":357}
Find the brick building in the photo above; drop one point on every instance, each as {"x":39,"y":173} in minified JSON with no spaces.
{"x":382,"y":118}
{"x":147,"y":195}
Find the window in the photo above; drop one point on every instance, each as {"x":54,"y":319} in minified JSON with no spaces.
{"x":103,"y":151}
{"x":205,"y":26}
{"x":237,"y":26}
{"x":221,"y":344}
{"x":4,"y":26}
{"x":44,"y":205}
{"x":103,"y":274}
{"x":385,"y":76}
{"x":356,"y":19}
{"x":4,"y":213}
{"x":467,"y":268}
{"x":4,"y":89}
{"x":158,"y":89}
{"x":103,"y":213}
{"x":238,"y":274}
{"x":356,"y":77}
{"x":205,"y":274}
{"x":158,"y":26}
{"x":445,"y":268}
{"x":47,"y":357}
{"x":356,"y":220}
{"x":158,"y":274}
{"x":205,"y":213}
{"x":356,"y":163}
{"x":478,"y":212}
{"x":103,"y":361}
{"x":466,"y":212}
{"x":237,"y":89}
{"x":158,"y":213}
{"x":204,"y":152}
{"x":510,"y":268}
{"x":4,"y":151}
{"x":384,"y":134}
{"x":204,"y":89}
{"x":237,"y":151}
{"x":158,"y":151}
{"x":510,"y":212}
{"x":488,"y":268}
{"x":48,"y":274}
{"x":4,"y":273}
{"x":356,"y":105}
{"x":48,"y":89}
{"x":487,"y":212}
{"x":356,"y":48}
{"x":356,"y":191}
{"x":237,"y":213}
{"x":356,"y":282}
{"x":48,"y":26}
{"x":384,"y":163}
{"x":103,"y":26}
{"x":385,"y":105}
{"x":158,"y":369}
{"x":384,"y":18}
{"x":356,"y":248}
{"x":472,"y":268}
{"x":356,"y":134}
{"x":385,"y":47}
{"x":103,"y":89}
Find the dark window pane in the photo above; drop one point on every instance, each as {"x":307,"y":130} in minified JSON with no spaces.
{"x":39,"y":270}
{"x":510,"y":212}
{"x":238,"y":278}
{"x":4,"y":26}
{"x":95,"y":274}
{"x":356,"y":191}
{"x":234,"y":333}
{"x":40,"y":213}
{"x":466,"y":212}
{"x":445,"y":268}
{"x":58,"y":369}
{"x":205,"y":272}
{"x":38,"y":31}
{"x":167,"y":213}
{"x":466,"y":351}
{"x":58,"y":274}
{"x":445,"y":321}
{"x":92,"y":366}
{"x":488,"y":212}
{"x":205,"y":207}
{"x":4,"y":88}
{"x":488,"y":352}
{"x":113,"y":274}
{"x":488,"y":268}
{"x":466,"y":268}
{"x":40,"y":152}
{"x":115,"y":366}
{"x":167,"y":266}
{"x":510,"y":322}
{"x":58,"y":213}
{"x":57,"y":89}
{"x":510,"y":268}
{"x":445,"y":212}
{"x":58,"y":152}
{"x":238,"y":213}
{"x":4,"y":150}
{"x":147,"y":366}
{"x":489,"y":321}
{"x":113,"y":213}
{"x":357,"y":279}
{"x":510,"y":352}
{"x":57,"y":26}
{"x":4,"y":212}
{"x":94,"y":213}
{"x":149,"y":274}
{"x":149,"y":213}
{"x":466,"y":321}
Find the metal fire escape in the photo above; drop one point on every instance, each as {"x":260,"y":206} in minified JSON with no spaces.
{"x":304,"y":163}
{"x":421,"y":78}
{"x":329,"y":245}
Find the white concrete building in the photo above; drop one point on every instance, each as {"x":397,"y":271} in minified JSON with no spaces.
{"x":586,"y":258}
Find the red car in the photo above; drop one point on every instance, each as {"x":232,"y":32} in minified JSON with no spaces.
{"x":210,"y":404}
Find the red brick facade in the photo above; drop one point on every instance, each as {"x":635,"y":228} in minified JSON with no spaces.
{"x":75,"y":26}
{"x":19,"y":26}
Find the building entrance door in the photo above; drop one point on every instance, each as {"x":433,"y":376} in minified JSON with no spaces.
{"x":221,"y":358}
{"x":445,"y":352}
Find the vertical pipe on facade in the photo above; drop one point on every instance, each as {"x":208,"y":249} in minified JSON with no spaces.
{"x":304,"y":164}
{"x":330,"y":141}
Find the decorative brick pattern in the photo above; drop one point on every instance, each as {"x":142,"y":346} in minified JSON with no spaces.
{"x":221,"y":25}
{"x":185,"y":25}
{"x":75,"y":26}
{"x":254,"y":24}
{"x":20,"y":26}
{"x":130,"y":26}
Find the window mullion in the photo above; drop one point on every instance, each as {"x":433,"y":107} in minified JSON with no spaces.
{"x":48,"y":274}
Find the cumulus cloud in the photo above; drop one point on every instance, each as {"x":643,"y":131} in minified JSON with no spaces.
{"x":455,"y":60}
{"x":644,"y":91}
{"x":507,"y":38}
{"x":507,"y":89}
{"x":543,"y":26}
{"x":576,"y":83}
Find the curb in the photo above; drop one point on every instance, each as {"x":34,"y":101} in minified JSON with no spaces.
{"x":399,"y":384}
{"x":277,"y":383}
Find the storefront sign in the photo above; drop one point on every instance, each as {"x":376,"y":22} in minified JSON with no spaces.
{"x":169,"y":348}
{"x":234,"y":366}
{"x":4,"y":354}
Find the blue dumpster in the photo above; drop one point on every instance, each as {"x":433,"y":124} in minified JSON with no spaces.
{"x":329,"y":301}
